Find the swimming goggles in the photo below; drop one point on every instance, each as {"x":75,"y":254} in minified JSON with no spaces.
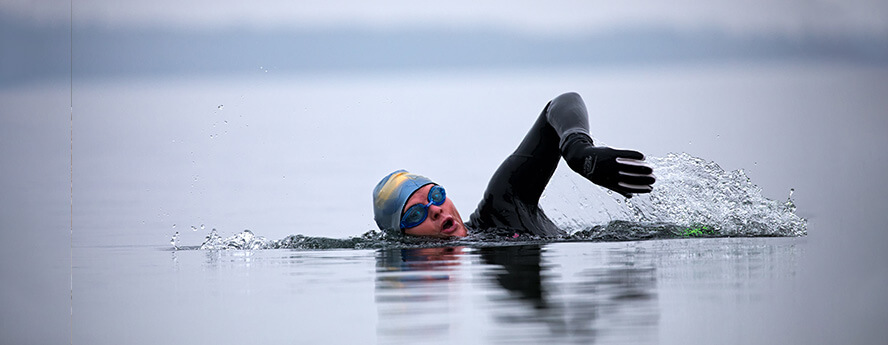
{"x":417,"y":214}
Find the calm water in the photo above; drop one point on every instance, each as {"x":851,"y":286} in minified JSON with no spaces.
{"x":669,"y":291}
{"x":283,"y":155}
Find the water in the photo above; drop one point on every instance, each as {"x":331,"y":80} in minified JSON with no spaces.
{"x":616,"y":292}
{"x":299,"y":156}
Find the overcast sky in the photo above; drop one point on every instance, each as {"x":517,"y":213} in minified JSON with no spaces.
{"x":572,"y":16}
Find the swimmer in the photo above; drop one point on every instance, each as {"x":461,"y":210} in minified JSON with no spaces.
{"x":414,"y":205}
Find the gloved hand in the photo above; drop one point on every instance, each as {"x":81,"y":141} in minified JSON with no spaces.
{"x":622,"y":171}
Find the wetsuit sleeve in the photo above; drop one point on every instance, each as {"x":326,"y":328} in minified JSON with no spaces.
{"x":539,"y":152}
{"x":512,"y":197}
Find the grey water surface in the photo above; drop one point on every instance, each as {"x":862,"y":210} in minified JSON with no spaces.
{"x":150,"y":159}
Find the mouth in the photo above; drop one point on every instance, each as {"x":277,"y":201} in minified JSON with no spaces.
{"x":448,"y":226}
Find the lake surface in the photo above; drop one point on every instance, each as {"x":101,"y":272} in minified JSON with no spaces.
{"x":669,"y":291}
{"x":283,"y":155}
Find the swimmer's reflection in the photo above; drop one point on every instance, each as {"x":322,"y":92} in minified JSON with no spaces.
{"x":421,"y":292}
{"x":519,"y":272}
{"x":413,"y":291}
{"x":415,"y":265}
{"x":581,"y":306}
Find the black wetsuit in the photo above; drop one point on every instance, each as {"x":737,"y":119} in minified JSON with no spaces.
{"x":511,"y":200}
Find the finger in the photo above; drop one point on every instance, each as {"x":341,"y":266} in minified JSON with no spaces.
{"x":632,"y":188}
{"x":626,"y":194}
{"x":637,"y":179}
{"x":634,"y":166}
{"x":630,"y":154}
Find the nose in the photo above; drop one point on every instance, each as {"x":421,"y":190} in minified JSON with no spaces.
{"x":435,"y":212}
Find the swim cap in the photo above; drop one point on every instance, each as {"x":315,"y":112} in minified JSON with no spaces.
{"x":390,"y":196}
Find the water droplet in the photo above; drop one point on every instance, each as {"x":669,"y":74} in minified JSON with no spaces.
{"x":193,"y":228}
{"x":174,"y":226}
{"x":173,"y":240}
{"x":226,"y":122}
{"x":220,"y":106}
{"x":717,"y":136}
{"x":791,"y":190}
{"x":202,"y":227}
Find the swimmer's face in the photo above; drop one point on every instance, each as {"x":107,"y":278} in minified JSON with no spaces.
{"x":442,"y":221}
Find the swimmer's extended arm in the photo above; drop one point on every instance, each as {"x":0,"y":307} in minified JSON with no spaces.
{"x":512,"y":197}
{"x":622,"y":171}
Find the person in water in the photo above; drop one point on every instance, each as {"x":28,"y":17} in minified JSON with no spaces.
{"x":417,"y":206}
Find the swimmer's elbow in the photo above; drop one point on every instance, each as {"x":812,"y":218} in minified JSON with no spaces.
{"x":568,"y":97}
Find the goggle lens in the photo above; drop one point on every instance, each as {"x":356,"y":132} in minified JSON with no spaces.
{"x":417,"y":214}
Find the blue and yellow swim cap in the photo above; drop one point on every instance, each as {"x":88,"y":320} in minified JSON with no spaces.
{"x":390,"y":196}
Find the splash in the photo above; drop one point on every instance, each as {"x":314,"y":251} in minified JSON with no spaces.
{"x":243,"y":240}
{"x":692,"y":198}
{"x":692,"y":192}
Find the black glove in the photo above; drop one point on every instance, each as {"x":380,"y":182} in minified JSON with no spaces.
{"x":622,"y":171}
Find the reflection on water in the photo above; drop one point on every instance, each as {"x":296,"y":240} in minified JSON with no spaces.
{"x":679,"y":291}
{"x":409,"y":300}
{"x":421,"y":294}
